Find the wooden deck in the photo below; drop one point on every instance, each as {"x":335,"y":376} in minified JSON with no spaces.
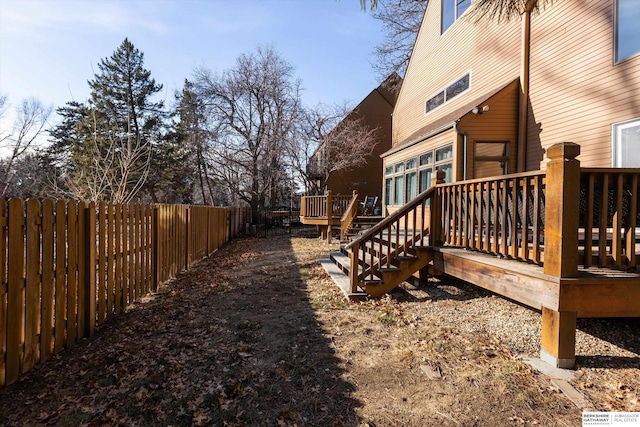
{"x":595,"y":292}
{"x":564,"y":241}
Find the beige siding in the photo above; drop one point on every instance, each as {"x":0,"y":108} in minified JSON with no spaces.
{"x":500,"y":123}
{"x":490,"y":52}
{"x":577,"y":92}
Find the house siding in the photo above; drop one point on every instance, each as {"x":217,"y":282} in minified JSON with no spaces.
{"x":500,"y":123}
{"x":491,"y":53}
{"x":576,"y":90}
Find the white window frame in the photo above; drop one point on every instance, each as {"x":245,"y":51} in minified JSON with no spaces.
{"x":616,"y":36}
{"x":616,"y":129}
{"x":456,"y":16}
{"x":443,"y":90}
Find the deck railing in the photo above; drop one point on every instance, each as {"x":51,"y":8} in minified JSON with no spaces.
{"x":391,"y":238}
{"x":609,"y":217}
{"x":326,"y":206}
{"x":502,"y":215}
{"x":349,"y":215}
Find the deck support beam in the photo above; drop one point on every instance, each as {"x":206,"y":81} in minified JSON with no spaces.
{"x":561,"y":250}
{"x":558,"y":338}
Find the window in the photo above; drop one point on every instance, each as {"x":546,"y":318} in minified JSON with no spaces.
{"x":411,"y":187}
{"x":448,"y":93}
{"x":626,"y":144}
{"x":399,"y":186}
{"x":452,"y":10}
{"x":434,"y":102}
{"x":405,"y":180}
{"x":457,"y":87}
{"x":425,"y":179}
{"x":490,"y":158}
{"x":444,"y":153}
{"x":388,"y":191}
{"x":627,"y":37}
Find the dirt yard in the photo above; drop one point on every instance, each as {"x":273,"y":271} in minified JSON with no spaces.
{"x":257,"y":335}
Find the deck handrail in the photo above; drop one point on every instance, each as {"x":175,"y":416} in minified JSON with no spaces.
{"x":503,"y":215}
{"x":608,"y":217}
{"x":392,"y":247}
{"x":349,"y":215}
{"x":393,"y":217}
{"x":325,"y":206}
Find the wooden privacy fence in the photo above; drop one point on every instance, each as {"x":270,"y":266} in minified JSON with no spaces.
{"x":67,"y":266}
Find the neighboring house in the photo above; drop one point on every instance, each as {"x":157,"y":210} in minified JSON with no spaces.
{"x":488,"y":98}
{"x":366,"y":179}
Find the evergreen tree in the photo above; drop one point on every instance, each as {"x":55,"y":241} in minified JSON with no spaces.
{"x":107,"y":144}
{"x":122,"y":91}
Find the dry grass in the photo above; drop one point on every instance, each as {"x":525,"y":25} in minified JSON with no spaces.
{"x":258,"y":335}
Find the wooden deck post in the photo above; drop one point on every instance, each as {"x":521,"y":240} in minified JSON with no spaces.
{"x":558,"y":343}
{"x":435,"y":212}
{"x":329,"y":214}
{"x":561,"y":249}
{"x":561,"y":219}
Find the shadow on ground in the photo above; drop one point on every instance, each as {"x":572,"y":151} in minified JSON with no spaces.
{"x":233,"y":341}
{"x":621,"y":332}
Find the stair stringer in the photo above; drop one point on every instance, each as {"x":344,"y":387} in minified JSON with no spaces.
{"x":404,"y":269}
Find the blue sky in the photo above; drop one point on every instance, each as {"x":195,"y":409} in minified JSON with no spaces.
{"x":49,"y":49}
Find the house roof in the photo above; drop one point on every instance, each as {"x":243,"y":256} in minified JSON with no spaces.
{"x":444,"y":123}
{"x":389,"y":90}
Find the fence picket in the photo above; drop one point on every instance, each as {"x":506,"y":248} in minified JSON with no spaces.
{"x":111,"y":310}
{"x":90,"y":270}
{"x":82,"y":266}
{"x":32,"y":286}
{"x":72,"y":271}
{"x":102,"y":262}
{"x":117,"y":249}
{"x":60,"y":298}
{"x":48,"y":285}
{"x":15,"y":290}
{"x":131,"y":257}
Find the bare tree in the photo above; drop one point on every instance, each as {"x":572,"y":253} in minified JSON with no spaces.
{"x":114,"y":168}
{"x":401,"y":20}
{"x":31,"y":118}
{"x":340,"y":140}
{"x":504,"y":10}
{"x":254,"y":108}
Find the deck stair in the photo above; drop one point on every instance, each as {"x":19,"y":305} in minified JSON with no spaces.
{"x":379,"y":280}
{"x":359,"y":225}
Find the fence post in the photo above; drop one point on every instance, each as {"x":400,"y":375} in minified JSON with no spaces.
{"x":561,"y":249}
{"x":90,"y":269}
{"x":435,"y":211}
